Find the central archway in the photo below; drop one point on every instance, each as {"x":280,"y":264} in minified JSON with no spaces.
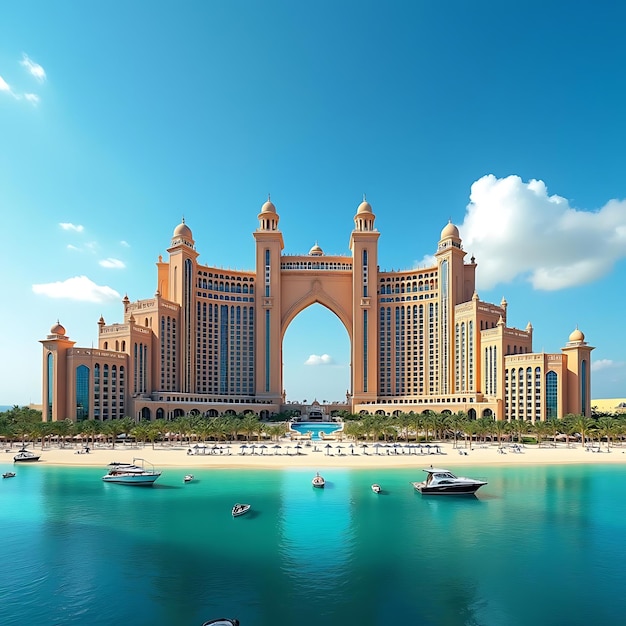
{"x":316,"y":357}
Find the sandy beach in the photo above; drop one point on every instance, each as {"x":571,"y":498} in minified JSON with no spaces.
{"x":321,"y":455}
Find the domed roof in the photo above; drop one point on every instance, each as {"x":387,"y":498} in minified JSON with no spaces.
{"x":57,"y":329}
{"x":182,"y":230}
{"x":268,"y":207}
{"x":450,"y":230}
{"x":316,"y":250}
{"x":577,"y":335}
{"x":364,"y":207}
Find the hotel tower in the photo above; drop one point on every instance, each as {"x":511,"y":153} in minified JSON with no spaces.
{"x":209,"y":341}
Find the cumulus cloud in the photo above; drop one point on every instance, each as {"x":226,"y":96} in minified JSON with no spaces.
{"x":78,"y":228}
{"x":4,"y":86}
{"x":605,"y":364}
{"x":32,"y":98}
{"x":517,"y":230}
{"x":112,"y":263}
{"x":33,"y":68}
{"x":323,"y":359}
{"x":78,"y":288}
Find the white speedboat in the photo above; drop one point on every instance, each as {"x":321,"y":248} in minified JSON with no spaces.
{"x":444,"y":482}
{"x":240,"y":509}
{"x":318,"y":481}
{"x":188,"y":478}
{"x":376,"y":488}
{"x":8,"y":475}
{"x":26,"y":456}
{"x":132,"y":474}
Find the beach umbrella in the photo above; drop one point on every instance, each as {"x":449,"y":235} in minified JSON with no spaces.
{"x":243,"y":448}
{"x":287,"y":446}
{"x":377,"y":446}
{"x":297,"y":447}
{"x":328,"y":446}
{"x":364,"y":445}
{"x":340,"y":448}
{"x":253,"y":447}
{"x":352,"y":448}
{"x":263,"y":446}
{"x":276,"y":448}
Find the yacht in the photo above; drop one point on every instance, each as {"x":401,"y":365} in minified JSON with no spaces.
{"x":376,"y":488}
{"x":8,"y":475}
{"x":444,"y":482}
{"x":318,"y":481}
{"x":25,"y":456}
{"x":131,"y":473}
{"x":188,"y":478}
{"x":240,"y":509}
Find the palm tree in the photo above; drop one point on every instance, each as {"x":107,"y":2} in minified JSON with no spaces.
{"x":607,"y":427}
{"x":250,"y":425}
{"x":499,"y":428}
{"x":456,"y":423}
{"x":581,"y":424}
{"x":519,"y":428}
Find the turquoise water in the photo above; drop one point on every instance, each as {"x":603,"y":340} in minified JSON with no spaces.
{"x":315,"y":427}
{"x":540,"y":545}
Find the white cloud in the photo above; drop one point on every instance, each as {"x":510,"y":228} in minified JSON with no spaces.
{"x":516,"y":230}
{"x":77,"y":288}
{"x":124,"y":244}
{"x":4,"y":86}
{"x":33,"y":68}
{"x":112,"y":263}
{"x":32,"y":97}
{"x":605,"y":364}
{"x":78,"y":228}
{"x":323,"y":359}
{"x":71,"y":247}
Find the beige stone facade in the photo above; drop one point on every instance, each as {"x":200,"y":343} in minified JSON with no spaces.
{"x":210,"y":340}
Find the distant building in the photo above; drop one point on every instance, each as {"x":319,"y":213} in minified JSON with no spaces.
{"x":210,"y":340}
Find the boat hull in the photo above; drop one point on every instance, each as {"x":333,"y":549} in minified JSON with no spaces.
{"x":139,"y":481}
{"x":30,"y":459}
{"x":449,"y":490}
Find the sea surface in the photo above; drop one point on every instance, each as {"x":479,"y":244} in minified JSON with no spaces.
{"x":541,"y":545}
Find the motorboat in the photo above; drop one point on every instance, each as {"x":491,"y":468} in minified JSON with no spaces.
{"x":318,"y":481}
{"x":240,"y":509}
{"x":8,"y":475}
{"x":376,"y":488}
{"x":132,"y":473}
{"x":188,"y":478}
{"x":222,"y":621}
{"x":444,"y":482}
{"x":26,"y":456}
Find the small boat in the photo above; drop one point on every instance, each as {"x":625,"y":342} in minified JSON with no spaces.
{"x":240,"y":509}
{"x":376,"y":488}
{"x":26,"y":456}
{"x":8,"y":475}
{"x":318,"y":481}
{"x":222,"y":621}
{"x":188,"y":478}
{"x":444,"y":482}
{"x":132,"y":474}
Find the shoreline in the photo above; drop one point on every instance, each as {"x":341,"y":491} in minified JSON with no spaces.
{"x":319,"y":455}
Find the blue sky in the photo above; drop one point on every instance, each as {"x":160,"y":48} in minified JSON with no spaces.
{"x":118,"y":118}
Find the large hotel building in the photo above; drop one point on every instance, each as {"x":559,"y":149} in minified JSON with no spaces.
{"x":210,"y":340}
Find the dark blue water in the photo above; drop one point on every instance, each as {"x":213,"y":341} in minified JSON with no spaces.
{"x":540,"y":545}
